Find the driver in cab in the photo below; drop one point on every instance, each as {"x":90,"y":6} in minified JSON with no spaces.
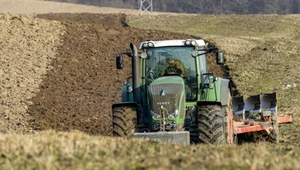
{"x":174,"y":66}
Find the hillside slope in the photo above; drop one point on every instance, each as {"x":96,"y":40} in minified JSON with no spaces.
{"x":27,"y":47}
{"x":84,"y":83}
{"x":205,"y":7}
{"x":262,"y":50}
{"x":74,"y":85}
{"x":39,"y":6}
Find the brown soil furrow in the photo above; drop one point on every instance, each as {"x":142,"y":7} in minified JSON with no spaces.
{"x":79,"y":91}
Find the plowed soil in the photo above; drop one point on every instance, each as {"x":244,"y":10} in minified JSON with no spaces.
{"x":81,"y":82}
{"x":27,"y":47}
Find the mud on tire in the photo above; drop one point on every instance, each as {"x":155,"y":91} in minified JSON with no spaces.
{"x":124,"y":121}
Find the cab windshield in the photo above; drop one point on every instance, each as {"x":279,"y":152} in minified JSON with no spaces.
{"x":184,"y":65}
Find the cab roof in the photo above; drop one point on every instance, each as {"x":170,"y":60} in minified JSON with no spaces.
{"x":166,"y":43}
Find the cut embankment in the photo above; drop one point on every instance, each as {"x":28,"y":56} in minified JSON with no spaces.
{"x":27,"y":47}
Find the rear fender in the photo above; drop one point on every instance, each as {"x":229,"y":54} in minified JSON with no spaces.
{"x":202,"y":103}
{"x":220,"y":93}
{"x":225,"y":92}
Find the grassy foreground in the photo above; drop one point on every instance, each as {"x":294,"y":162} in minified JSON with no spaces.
{"x":75,"y":150}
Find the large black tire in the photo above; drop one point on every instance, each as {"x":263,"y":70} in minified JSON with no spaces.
{"x":124,"y":121}
{"x":212,"y":126}
{"x":194,"y":133}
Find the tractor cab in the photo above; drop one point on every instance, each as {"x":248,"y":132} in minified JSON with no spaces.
{"x":172,"y":61}
{"x":183,"y":58}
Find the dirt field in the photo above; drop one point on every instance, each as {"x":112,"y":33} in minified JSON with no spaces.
{"x":84,"y":83}
{"x":64,"y":77}
{"x":27,"y":47}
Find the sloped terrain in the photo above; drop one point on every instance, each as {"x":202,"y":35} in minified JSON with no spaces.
{"x":27,"y":47}
{"x":82,"y":84}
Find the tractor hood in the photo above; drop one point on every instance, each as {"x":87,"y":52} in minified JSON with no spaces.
{"x":167,"y":92}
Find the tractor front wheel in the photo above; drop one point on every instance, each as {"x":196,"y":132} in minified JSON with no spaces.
{"x":124,"y":121}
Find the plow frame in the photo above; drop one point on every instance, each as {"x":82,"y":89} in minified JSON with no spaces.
{"x":256,"y":126}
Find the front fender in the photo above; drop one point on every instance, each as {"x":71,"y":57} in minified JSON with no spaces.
{"x":123,"y":104}
{"x":127,"y":96}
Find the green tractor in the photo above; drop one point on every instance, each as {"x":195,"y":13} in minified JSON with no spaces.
{"x":172,"y":97}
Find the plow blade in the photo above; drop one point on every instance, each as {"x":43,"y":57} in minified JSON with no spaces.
{"x":238,"y":105}
{"x":252,"y":104}
{"x":181,"y":138}
{"x":264,"y":105}
{"x":268,"y":102}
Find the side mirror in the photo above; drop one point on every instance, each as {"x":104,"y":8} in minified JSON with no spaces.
{"x":119,"y":62}
{"x":220,"y":57}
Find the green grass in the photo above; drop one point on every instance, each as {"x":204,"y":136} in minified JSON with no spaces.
{"x":75,"y":150}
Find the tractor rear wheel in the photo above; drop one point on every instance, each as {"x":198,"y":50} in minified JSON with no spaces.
{"x":124,"y":121}
{"x":213,"y":126}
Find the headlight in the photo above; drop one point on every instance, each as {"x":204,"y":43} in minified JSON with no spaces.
{"x":155,"y":115}
{"x":145,"y":45}
{"x":195,"y":53}
{"x":144,"y":55}
{"x":187,"y":42}
{"x":129,"y":89}
{"x":173,"y":115}
{"x":151,"y":44}
{"x":190,"y":42}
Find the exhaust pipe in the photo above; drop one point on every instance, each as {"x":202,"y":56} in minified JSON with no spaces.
{"x":135,"y":74}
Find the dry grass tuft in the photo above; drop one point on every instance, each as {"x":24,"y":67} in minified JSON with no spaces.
{"x":75,"y":150}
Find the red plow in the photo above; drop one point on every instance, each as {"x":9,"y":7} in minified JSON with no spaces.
{"x":258,"y":114}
